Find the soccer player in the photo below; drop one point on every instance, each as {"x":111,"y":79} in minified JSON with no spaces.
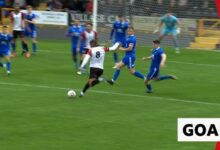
{"x":158,"y":58}
{"x":96,"y":54}
{"x":18,"y":23}
{"x":119,"y":30}
{"x":170,"y":25}
{"x":74,"y":32}
{"x":5,"y":40}
{"x":129,"y":58}
{"x":86,"y":37}
{"x":30,"y":29}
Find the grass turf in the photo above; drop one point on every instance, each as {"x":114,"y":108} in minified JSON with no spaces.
{"x":36,"y":114}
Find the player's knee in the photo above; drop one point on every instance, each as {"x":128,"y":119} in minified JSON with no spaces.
{"x":132,"y":71}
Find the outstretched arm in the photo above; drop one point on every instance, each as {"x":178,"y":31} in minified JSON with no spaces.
{"x":130,"y":47}
{"x":114,"y":47}
{"x":147,"y":58}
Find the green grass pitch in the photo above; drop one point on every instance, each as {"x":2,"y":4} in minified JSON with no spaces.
{"x":37,"y":115}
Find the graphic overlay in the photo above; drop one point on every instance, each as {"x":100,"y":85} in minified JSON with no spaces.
{"x":198,"y":130}
{"x":218,"y":6}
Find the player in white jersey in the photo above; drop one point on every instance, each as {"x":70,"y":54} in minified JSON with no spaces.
{"x":86,"y":37}
{"x":96,"y":54}
{"x":18,"y":24}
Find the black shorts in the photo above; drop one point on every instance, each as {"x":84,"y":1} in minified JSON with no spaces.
{"x":17,"y":34}
{"x":95,"y":73}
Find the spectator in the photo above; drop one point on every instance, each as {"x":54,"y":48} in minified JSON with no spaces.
{"x":54,"y":5}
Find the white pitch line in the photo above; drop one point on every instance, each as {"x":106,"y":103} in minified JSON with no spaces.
{"x":176,"y":62}
{"x":115,"y":93}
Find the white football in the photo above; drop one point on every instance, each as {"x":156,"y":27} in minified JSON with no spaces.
{"x":71,"y":94}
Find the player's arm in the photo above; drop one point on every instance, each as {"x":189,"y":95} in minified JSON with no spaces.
{"x":22,"y":20}
{"x":86,"y":59}
{"x":111,"y":34}
{"x":178,"y":29}
{"x":147,"y":58}
{"x":11,"y":19}
{"x":130,"y":47}
{"x":114,"y":47}
{"x":33,"y":21}
{"x":163,"y":61}
{"x":159,"y":27}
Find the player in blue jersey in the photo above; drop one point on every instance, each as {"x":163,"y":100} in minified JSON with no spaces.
{"x":5,"y":41}
{"x":170,"y":26}
{"x":30,"y":29}
{"x":129,"y":58}
{"x":158,"y":58}
{"x":74,"y":32}
{"x":118,"y":34}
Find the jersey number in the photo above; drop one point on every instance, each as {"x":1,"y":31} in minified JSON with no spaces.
{"x":97,"y":54}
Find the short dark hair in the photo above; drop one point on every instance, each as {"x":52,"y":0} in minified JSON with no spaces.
{"x":120,"y":16}
{"x":131,"y":27}
{"x":94,"y":42}
{"x":156,"y":41}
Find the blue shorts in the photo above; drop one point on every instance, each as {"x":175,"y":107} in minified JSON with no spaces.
{"x":5,"y":53}
{"x":122,"y":41}
{"x":129,"y":61}
{"x":167,"y":31}
{"x":32,"y":34}
{"x":153,"y":73}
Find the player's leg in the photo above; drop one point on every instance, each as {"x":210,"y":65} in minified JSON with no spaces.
{"x":131,"y":65}
{"x":165,"y":77}
{"x":163,"y":33}
{"x":8,"y":63}
{"x":151,"y":75}
{"x":13,"y":43}
{"x":95,"y":73}
{"x":34,"y":41}
{"x":83,"y":54}
{"x":74,"y":55}
{"x":115,"y":57}
{"x":175,"y":40}
{"x":1,"y":55}
{"x":120,"y":65}
{"x":24,"y":45}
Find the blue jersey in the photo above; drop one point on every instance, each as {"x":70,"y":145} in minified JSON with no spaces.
{"x":75,"y":32}
{"x":169,"y":21}
{"x":131,"y":40}
{"x":120,"y":29}
{"x":31,"y":17}
{"x":156,"y":57}
{"x":5,"y":40}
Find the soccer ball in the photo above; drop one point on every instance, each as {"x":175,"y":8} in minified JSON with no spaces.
{"x":71,"y":94}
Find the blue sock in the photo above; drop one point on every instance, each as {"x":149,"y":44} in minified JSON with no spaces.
{"x":164,"y":78}
{"x":1,"y":64}
{"x":139,"y":75}
{"x":34,"y":47}
{"x":149,"y":88}
{"x":8,"y":65}
{"x":175,"y":42}
{"x":116,"y":75}
{"x":13,"y":46}
{"x":115,"y":55}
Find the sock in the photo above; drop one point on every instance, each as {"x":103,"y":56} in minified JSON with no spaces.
{"x":25,"y":46}
{"x":75,"y":61}
{"x":86,"y":87}
{"x":139,"y":75}
{"x":95,"y":82}
{"x":8,"y":66}
{"x":34,"y":47}
{"x":1,"y":64}
{"x":116,"y":75}
{"x":175,"y":42}
{"x":149,"y":87}
{"x":13,"y":45}
{"x":115,"y":55}
{"x":164,"y":78}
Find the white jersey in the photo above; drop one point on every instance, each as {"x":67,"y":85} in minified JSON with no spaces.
{"x":17,"y":21}
{"x":97,"y":55}
{"x":88,"y":37}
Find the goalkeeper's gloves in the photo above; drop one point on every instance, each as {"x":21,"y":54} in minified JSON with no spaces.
{"x":156,"y":30}
{"x":178,"y":30}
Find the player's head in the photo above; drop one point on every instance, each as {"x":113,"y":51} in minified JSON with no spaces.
{"x":29,"y":9}
{"x":169,"y":12}
{"x":130,"y":30}
{"x":120,"y":18}
{"x":156,"y":43}
{"x":94,"y":43}
{"x":76,"y":21}
{"x":17,"y":8}
{"x":88,"y":26}
{"x":4,"y":29}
